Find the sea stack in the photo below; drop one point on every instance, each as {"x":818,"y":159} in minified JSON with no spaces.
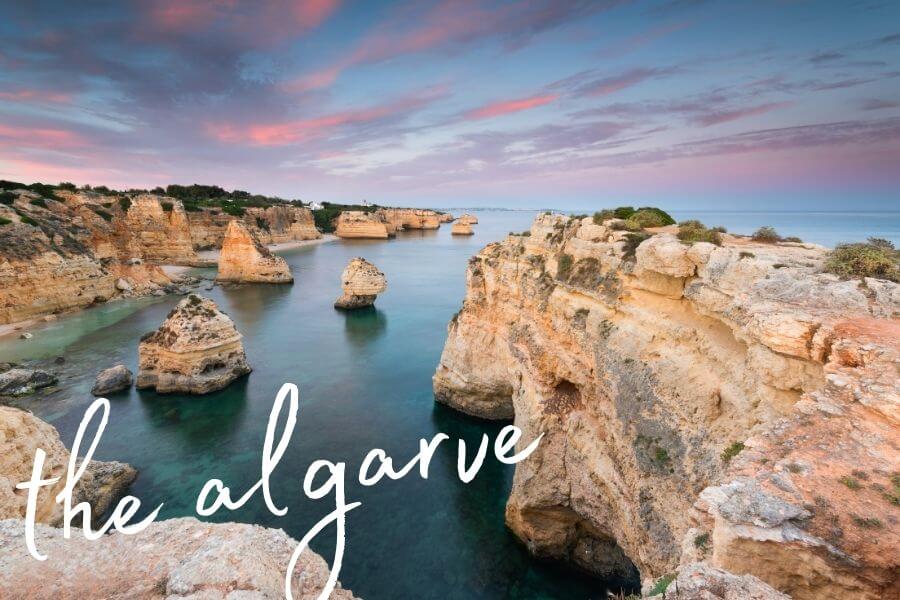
{"x":245,"y":260}
{"x":361,"y":282}
{"x":358,"y":224}
{"x":460,"y":228}
{"x":196,"y":351}
{"x":468,"y":219}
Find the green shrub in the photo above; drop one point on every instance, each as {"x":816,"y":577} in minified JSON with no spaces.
{"x":719,"y":229}
{"x":603,"y":215}
{"x":766,"y":235}
{"x":564,"y":266}
{"x":662,"y":584}
{"x":12,"y":185}
{"x":262,"y":223}
{"x":695,"y":231}
{"x":102,"y":213}
{"x":628,"y":225}
{"x":27,"y":220}
{"x":850,"y":482}
{"x":38,"y":202}
{"x":649,"y":216}
{"x":876,"y":258}
{"x":623,"y":212}
{"x":793,"y":239}
{"x":731,"y":451}
{"x":125,"y":203}
{"x":867,"y":522}
{"x":747,"y":255}
{"x":233,"y":210}
{"x":8,"y":198}
{"x":65,"y":185}
{"x":4,"y":221}
{"x":701,"y":541}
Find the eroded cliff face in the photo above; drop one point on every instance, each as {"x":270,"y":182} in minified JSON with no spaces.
{"x":411,"y":218}
{"x":245,"y":260}
{"x":21,"y":434}
{"x":357,"y":224}
{"x":648,"y":369}
{"x":271,"y":225}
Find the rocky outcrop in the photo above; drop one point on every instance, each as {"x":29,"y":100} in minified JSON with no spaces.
{"x":446,"y":217}
{"x":197,"y":350}
{"x":468,"y":219}
{"x":22,"y":382}
{"x":178,"y":558}
{"x":160,"y":229}
{"x":361,"y":283}
{"x":729,"y":405}
{"x":275,"y":224}
{"x":357,"y":224}
{"x":699,"y":581}
{"x":111,"y":380}
{"x":245,"y":260}
{"x":410,"y":218}
{"x":461,"y":229}
{"x":21,"y":434}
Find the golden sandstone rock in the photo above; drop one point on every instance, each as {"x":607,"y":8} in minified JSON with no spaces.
{"x":468,"y":219}
{"x":197,"y":350}
{"x":411,"y":218}
{"x":275,"y":224}
{"x":361,"y":282}
{"x":461,"y":229}
{"x":21,"y":434}
{"x":245,"y":260}
{"x":729,"y":407}
{"x":359,"y":224}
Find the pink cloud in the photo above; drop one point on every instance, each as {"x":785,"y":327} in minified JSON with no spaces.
{"x":39,"y":137}
{"x":506,"y":107}
{"x":725,"y":116}
{"x":35,"y":96}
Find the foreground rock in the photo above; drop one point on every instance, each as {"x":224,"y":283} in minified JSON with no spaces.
{"x":699,"y":581}
{"x":22,"y":382}
{"x":361,"y":283}
{"x":178,"y":558}
{"x":197,"y":350}
{"x":21,"y":434}
{"x":113,"y":379}
{"x":245,"y":260}
{"x":726,"y":405}
{"x":353,"y":224}
{"x":461,"y":229}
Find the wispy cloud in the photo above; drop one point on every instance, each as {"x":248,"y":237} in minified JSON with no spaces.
{"x":506,"y":107}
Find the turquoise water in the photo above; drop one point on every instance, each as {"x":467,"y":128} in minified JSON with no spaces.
{"x":365,"y":382}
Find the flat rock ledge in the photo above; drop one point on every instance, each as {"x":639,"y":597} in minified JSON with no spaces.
{"x":173,"y":559}
{"x":197,"y":350}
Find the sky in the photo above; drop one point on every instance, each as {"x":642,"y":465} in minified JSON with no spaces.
{"x":765,"y":104}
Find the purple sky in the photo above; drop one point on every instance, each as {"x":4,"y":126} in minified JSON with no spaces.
{"x":681,"y":103}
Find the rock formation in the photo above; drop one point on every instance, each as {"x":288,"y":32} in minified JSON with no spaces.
{"x":275,"y":224}
{"x":447,"y":217}
{"x":731,"y":405}
{"x":21,"y":434}
{"x":359,"y":224}
{"x":197,"y":350}
{"x":361,"y":283}
{"x":411,"y":218}
{"x":177,"y":558}
{"x":244,"y":259}
{"x":17,"y":381}
{"x":468,"y":219}
{"x":160,"y":229}
{"x":460,"y":228}
{"x":111,"y":380}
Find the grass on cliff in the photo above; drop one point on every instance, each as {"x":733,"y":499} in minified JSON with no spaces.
{"x":731,"y":451}
{"x":875,"y":258}
{"x":635,"y":219}
{"x":695,"y":231}
{"x":766,"y":235}
{"x":5,"y":221}
{"x":326,"y":215}
{"x":662,"y":584}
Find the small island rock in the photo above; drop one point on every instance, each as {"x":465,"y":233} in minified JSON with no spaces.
{"x":114,"y":379}
{"x":460,"y":228}
{"x":197,"y":350}
{"x":361,"y":282}
{"x":244,"y":259}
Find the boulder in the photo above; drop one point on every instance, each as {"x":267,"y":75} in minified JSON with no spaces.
{"x":361,"y":283}
{"x":21,"y":382}
{"x":244,"y":259}
{"x":197,"y":350}
{"x":113,"y":379}
{"x":460,"y":228}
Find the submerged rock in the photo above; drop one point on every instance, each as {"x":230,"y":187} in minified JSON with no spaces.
{"x":197,"y":350}
{"x":21,"y":382}
{"x":460,"y":228}
{"x":361,"y":282}
{"x":177,"y":558}
{"x":21,"y":434}
{"x":113,"y":379}
{"x":245,"y":260}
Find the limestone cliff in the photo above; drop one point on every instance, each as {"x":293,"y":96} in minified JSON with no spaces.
{"x":160,"y":229}
{"x":411,"y":218}
{"x":275,"y":224}
{"x":21,"y":434}
{"x":244,"y":259}
{"x":177,"y":558}
{"x":197,"y":350}
{"x":730,"y":405}
{"x":359,"y":224}
{"x":361,"y":282}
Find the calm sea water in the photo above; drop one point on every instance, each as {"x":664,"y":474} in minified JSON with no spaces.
{"x":365,"y":382}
